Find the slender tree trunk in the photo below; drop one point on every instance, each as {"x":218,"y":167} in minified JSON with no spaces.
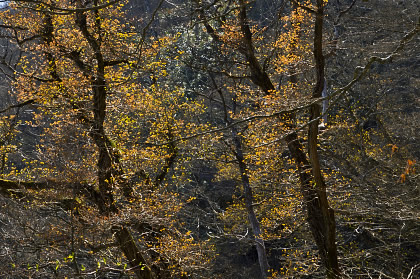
{"x":324,"y":234}
{"x":259,"y":241}
{"x":320,"y":215}
{"x":253,"y":221}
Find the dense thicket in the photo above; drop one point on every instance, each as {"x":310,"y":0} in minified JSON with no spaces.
{"x":209,"y":139}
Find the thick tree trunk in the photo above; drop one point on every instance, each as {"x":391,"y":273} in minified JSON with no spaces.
{"x":319,"y":215}
{"x":105,"y":160}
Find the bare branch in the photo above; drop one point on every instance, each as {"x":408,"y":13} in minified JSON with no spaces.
{"x":344,"y":12}
{"x":18,"y":105}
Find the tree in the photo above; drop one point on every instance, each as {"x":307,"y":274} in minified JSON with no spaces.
{"x":81,"y":64}
{"x":163,"y":140}
{"x":241,"y":40}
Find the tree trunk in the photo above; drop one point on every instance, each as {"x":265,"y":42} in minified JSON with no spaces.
{"x":259,"y":241}
{"x":323,"y":222}
{"x":132,"y":253}
{"x":107,"y":159}
{"x":255,"y":225}
{"x":320,"y":215}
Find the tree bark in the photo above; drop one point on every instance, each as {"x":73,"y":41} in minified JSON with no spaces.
{"x":258,"y":76}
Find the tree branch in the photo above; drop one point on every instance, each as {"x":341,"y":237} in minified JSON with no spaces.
{"x":303,"y":7}
{"x":359,"y":73}
{"x":28,"y":102}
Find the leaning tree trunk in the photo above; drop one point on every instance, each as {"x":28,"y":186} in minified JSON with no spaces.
{"x":255,"y":225}
{"x":253,"y":221}
{"x":133,"y":254}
